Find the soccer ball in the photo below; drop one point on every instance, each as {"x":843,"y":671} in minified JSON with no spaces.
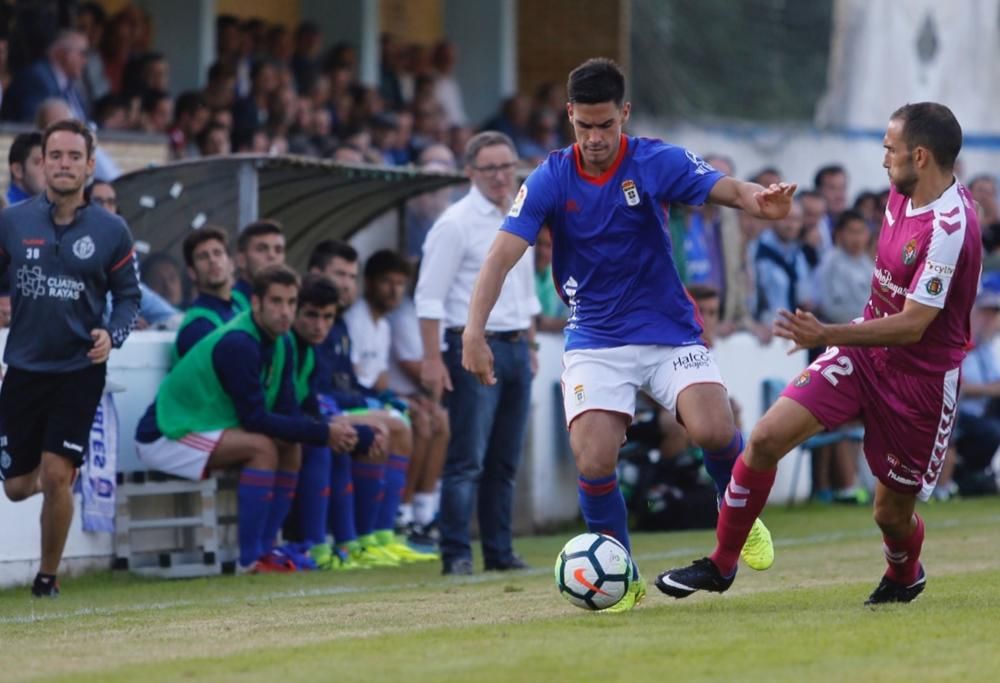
{"x":593,"y":571}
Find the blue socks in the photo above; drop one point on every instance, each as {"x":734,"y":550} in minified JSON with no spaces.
{"x":395,"y":482}
{"x":285,"y":484}
{"x":603,"y":508}
{"x":341,"y":513}
{"x":254,"y":494}
{"x":368,"y":494}
{"x":719,"y":464}
{"x":312,"y":499}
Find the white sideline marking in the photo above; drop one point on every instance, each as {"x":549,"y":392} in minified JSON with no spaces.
{"x":463,"y":580}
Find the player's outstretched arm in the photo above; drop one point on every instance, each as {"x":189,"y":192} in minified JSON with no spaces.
{"x":770,"y":203}
{"x":906,"y":327}
{"x":507,"y":250}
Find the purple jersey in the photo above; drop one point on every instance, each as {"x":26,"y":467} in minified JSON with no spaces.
{"x":611,"y":252}
{"x":934,"y":256}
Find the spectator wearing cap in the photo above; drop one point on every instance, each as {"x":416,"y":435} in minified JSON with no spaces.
{"x":58,"y":75}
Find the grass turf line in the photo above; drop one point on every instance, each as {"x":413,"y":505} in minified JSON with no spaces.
{"x":801,"y":620}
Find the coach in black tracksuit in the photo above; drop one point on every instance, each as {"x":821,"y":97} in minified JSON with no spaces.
{"x":62,"y":256}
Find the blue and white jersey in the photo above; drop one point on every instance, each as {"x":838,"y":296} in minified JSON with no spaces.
{"x":611,"y":253}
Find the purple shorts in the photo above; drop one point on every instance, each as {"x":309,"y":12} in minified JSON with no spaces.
{"x":908,"y":417}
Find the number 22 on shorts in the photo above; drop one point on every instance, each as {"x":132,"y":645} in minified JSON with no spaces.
{"x":832,"y":372}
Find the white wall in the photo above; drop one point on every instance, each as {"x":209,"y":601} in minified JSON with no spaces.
{"x":547,"y":493}
{"x":551,"y":477}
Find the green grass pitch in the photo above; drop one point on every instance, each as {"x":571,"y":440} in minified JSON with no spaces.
{"x":802,"y":620}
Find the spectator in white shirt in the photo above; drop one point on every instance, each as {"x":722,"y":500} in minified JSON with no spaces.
{"x":487,"y":422}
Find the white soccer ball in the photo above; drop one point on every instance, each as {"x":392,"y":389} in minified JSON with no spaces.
{"x":593,"y":571}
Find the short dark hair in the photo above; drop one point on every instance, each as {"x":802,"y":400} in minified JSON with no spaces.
{"x":703,"y":292}
{"x":274,"y":274}
{"x":595,"y":81}
{"x":828,"y":170}
{"x":982,"y":178}
{"x":221,"y":70}
{"x":386,"y":261}
{"x":845,"y":218}
{"x":21,"y":148}
{"x":94,"y":10}
{"x":198,"y":237}
{"x":808,"y":194}
{"x":934,"y":127}
{"x":488,"y":138}
{"x":256,"y":229}
{"x":327,"y":250}
{"x":151,"y":98}
{"x":106,"y":106}
{"x":189,"y":102}
{"x":318,"y":291}
{"x":71,"y":126}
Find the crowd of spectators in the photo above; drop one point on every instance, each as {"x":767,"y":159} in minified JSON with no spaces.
{"x":275,"y":90}
{"x":272,"y":90}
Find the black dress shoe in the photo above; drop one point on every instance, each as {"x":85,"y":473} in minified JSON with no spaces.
{"x":515,"y":562}
{"x":460,"y":566}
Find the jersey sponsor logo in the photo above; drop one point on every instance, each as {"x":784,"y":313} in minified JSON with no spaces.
{"x":942,"y":269}
{"x":32,"y":283}
{"x":572,"y":206}
{"x":579,"y":394}
{"x":884,"y":279}
{"x":803,"y":379}
{"x":701,"y":166}
{"x":522,"y":194}
{"x":84,"y":248}
{"x":693,"y":361}
{"x":935,"y":286}
{"x":910,"y":252}
{"x":631,"y":193}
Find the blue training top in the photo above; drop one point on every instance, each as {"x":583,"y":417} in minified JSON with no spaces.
{"x":611,"y":252}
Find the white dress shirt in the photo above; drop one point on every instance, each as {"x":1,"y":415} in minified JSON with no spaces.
{"x":454,"y":252}
{"x":406,"y":346}
{"x":370,"y":343}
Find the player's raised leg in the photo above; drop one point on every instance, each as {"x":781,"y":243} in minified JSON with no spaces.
{"x":707,"y":415}
{"x":786,"y":425}
{"x":902,"y":539}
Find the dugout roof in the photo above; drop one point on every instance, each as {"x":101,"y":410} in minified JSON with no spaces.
{"x":314,"y":199}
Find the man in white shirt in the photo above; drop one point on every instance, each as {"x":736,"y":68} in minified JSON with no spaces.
{"x":487,"y":422}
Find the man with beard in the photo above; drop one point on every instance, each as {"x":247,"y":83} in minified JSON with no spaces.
{"x":897,"y":369}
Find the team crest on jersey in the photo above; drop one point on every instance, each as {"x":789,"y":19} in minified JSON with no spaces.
{"x":631,"y":193}
{"x":84,"y":248}
{"x":522,"y":194}
{"x":803,"y":379}
{"x":935,"y":286}
{"x":579,"y":394}
{"x":910,"y":252}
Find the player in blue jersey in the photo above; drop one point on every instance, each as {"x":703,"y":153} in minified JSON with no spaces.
{"x":631,"y":324}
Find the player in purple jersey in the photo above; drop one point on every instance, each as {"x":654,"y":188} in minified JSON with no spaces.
{"x":897,"y":368}
{"x":631,"y":324}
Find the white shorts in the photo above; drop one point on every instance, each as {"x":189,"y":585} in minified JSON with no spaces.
{"x":186,"y":457}
{"x":607,"y":379}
